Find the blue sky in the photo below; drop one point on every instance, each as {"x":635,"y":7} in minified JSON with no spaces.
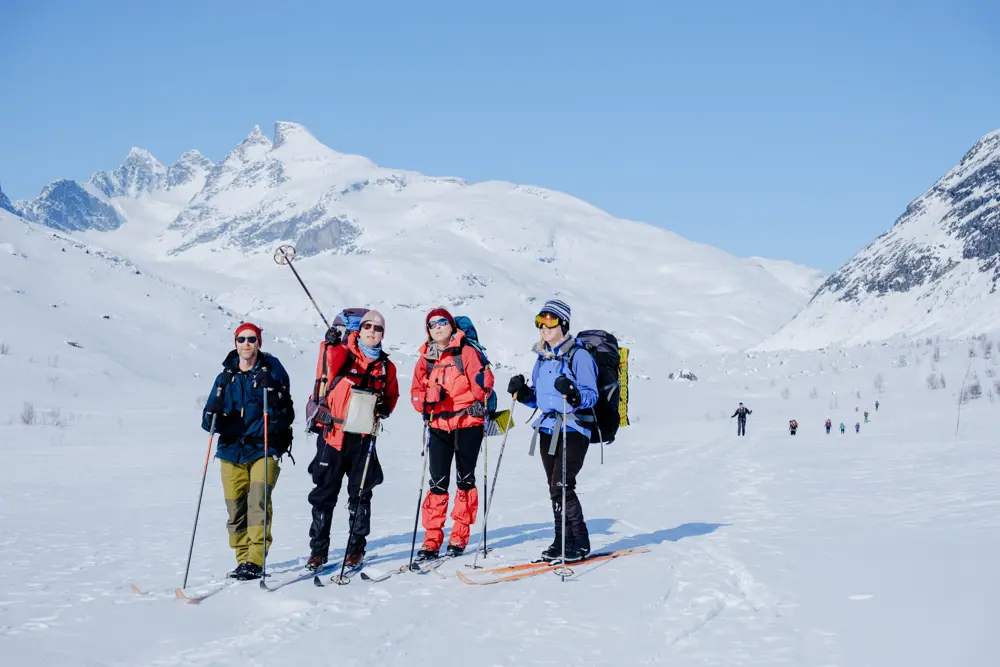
{"x":794,"y":130}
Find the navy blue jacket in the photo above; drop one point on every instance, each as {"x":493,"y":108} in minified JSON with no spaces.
{"x":241,"y":424}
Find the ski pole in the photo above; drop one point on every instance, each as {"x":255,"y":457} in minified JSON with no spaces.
{"x":285,"y":255}
{"x":563,"y":571}
{"x":496,"y":473}
{"x":263,"y":562}
{"x":486,"y":476}
{"x":341,"y":579}
{"x":420,"y":494}
{"x":201,"y":492}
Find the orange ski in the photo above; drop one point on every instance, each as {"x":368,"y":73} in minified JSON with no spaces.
{"x":525,"y":570}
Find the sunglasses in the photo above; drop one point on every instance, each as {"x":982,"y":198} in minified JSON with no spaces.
{"x":378,"y":328}
{"x":246,"y":339}
{"x":547,"y":320}
{"x":437,"y":322}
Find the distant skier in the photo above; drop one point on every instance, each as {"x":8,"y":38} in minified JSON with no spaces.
{"x":237,"y":402}
{"x":741,"y":419}
{"x":857,"y":427}
{"x":829,"y":425}
{"x":793,"y":426}
{"x":866,"y":416}
{"x":876,"y":406}
{"x":843,"y":428}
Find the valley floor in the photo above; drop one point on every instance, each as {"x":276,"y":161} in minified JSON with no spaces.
{"x":871,"y":549}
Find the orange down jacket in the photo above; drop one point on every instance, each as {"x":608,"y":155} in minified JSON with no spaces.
{"x":381,"y":378}
{"x":447,"y":386}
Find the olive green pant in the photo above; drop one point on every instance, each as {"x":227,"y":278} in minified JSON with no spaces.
{"x":243,"y":487}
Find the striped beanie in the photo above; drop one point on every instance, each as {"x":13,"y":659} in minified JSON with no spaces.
{"x":560,"y":310}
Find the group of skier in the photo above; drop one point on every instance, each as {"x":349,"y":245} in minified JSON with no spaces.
{"x":793,"y":425}
{"x":250,"y":408}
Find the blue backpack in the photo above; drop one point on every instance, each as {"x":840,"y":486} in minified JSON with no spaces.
{"x":349,"y":319}
{"x":472,"y":338}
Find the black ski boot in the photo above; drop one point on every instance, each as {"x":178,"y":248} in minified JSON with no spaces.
{"x":426,"y":554}
{"x":250,"y":572}
{"x":573,"y":552}
{"x":554,"y":550}
{"x":238,"y":572}
{"x":455,"y":550}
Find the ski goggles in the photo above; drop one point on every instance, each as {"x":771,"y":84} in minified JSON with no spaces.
{"x":246,"y":339}
{"x":547,"y":320}
{"x":377,"y":328}
{"x":437,"y":322}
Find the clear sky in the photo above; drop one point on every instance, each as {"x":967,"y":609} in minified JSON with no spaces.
{"x":796,"y":130}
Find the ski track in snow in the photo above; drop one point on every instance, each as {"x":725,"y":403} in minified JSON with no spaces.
{"x":872,"y":549}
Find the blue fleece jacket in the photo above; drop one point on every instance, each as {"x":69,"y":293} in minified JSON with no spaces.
{"x":550,"y":365}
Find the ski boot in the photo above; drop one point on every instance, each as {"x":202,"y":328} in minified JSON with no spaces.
{"x":455,"y":550}
{"x":354,"y":559}
{"x":315,"y":562}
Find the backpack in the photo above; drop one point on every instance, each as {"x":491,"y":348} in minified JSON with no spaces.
{"x":472,"y":338}
{"x":348,"y":320}
{"x":611,"y":410}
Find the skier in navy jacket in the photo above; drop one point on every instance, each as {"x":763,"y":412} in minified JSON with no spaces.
{"x":563,"y":369}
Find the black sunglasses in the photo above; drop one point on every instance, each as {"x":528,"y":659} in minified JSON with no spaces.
{"x":246,"y":339}
{"x":378,"y":328}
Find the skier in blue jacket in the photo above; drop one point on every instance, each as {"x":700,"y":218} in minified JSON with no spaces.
{"x":565,"y":374}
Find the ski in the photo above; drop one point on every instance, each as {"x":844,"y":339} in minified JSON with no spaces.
{"x":525,"y":570}
{"x":181,"y":595}
{"x":374,"y":575}
{"x":418,"y":567}
{"x":349,"y":572}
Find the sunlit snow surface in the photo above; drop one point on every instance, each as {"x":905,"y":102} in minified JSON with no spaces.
{"x":873,"y":549}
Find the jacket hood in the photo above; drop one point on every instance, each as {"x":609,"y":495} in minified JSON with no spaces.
{"x":430,"y":351}
{"x":564,"y":348}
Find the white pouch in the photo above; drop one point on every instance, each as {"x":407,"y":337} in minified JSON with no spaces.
{"x":360,"y":411}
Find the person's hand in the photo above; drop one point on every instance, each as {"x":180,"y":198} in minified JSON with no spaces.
{"x":323,"y":415}
{"x":216,"y":403}
{"x":266,"y":380}
{"x":381,"y":408}
{"x":332,"y":336}
{"x":567,"y":388}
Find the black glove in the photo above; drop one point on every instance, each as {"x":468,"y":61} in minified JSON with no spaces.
{"x":381,"y":408}
{"x":332,"y":336}
{"x":515,"y":385}
{"x":216,"y":403}
{"x":567,"y":388}
{"x":266,"y":380}
{"x":323,"y":415}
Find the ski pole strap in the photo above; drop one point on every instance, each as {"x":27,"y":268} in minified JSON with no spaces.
{"x":556,"y":428}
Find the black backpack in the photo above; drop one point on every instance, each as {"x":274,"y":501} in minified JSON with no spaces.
{"x":603,"y":347}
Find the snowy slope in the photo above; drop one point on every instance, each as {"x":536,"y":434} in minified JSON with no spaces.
{"x":933,"y":273}
{"x":408,"y":242}
{"x":869,"y":549}
{"x":802,"y":279}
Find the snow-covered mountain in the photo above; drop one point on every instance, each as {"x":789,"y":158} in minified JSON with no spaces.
{"x":934,"y":272}
{"x":406,"y":242}
{"x":6,"y":204}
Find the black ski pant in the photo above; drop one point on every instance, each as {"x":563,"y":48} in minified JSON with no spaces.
{"x":741,"y":426}
{"x":328,"y":469}
{"x":463,"y":446}
{"x":576,"y":452}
